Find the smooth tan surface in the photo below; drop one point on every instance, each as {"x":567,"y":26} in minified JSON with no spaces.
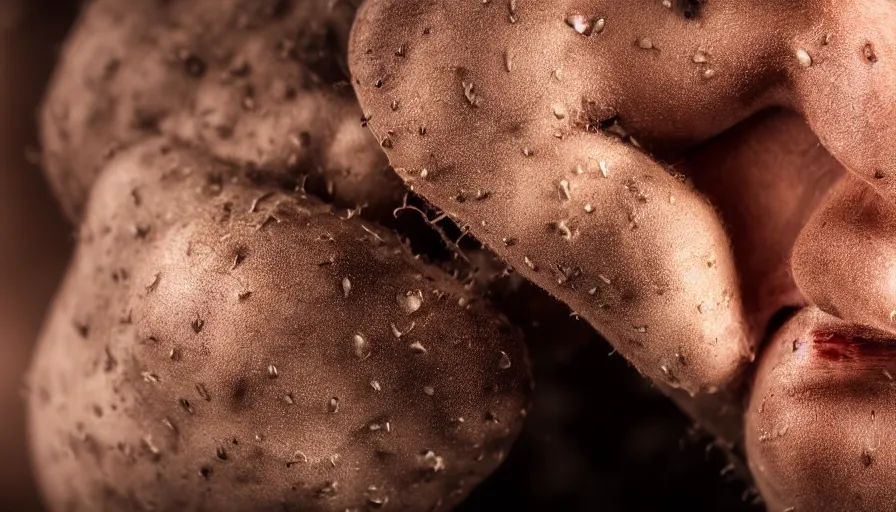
{"x":819,"y":421}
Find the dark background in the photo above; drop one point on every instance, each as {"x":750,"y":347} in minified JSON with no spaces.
{"x":598,"y":438}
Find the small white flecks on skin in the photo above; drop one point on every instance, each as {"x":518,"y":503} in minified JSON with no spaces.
{"x":584,"y":25}
{"x":361,"y":346}
{"x":564,"y":190}
{"x":803,"y":57}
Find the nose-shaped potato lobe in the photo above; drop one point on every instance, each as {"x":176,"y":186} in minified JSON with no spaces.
{"x":845,"y":259}
{"x":491,"y":115}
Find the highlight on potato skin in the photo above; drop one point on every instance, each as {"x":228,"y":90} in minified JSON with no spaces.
{"x":224,"y":345}
{"x":851,"y":284}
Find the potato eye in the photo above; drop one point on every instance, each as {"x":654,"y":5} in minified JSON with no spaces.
{"x":690,"y":9}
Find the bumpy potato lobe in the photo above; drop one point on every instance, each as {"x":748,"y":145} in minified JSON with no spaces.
{"x":221,"y":344}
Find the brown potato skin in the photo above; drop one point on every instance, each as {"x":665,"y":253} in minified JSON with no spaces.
{"x":153,"y":387}
{"x":257,"y":83}
{"x":637,"y":253}
{"x":847,"y":93}
{"x":818,"y":427}
{"x":766,"y":177}
{"x":500,"y":101}
{"x":844,"y":259}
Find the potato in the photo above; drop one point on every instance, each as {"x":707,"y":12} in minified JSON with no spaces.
{"x":766,"y":177}
{"x":550,"y":131}
{"x":492,"y":121}
{"x":818,"y":428}
{"x":818,"y":424}
{"x":222,"y":343}
{"x":855,"y":285}
{"x":258,"y":83}
{"x":546,"y":127}
{"x":844,"y":87}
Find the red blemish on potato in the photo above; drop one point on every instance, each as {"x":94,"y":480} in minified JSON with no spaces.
{"x":840,"y":347}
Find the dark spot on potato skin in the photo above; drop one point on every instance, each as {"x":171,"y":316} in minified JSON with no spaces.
{"x":867,"y":459}
{"x":869,"y":54}
{"x":239,"y":395}
{"x":690,"y":9}
{"x":193,"y":65}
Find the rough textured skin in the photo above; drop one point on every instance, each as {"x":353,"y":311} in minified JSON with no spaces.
{"x":560,"y":126}
{"x":819,"y":424}
{"x":560,"y":134}
{"x":258,"y":83}
{"x":512,"y":110}
{"x":224,"y":345}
